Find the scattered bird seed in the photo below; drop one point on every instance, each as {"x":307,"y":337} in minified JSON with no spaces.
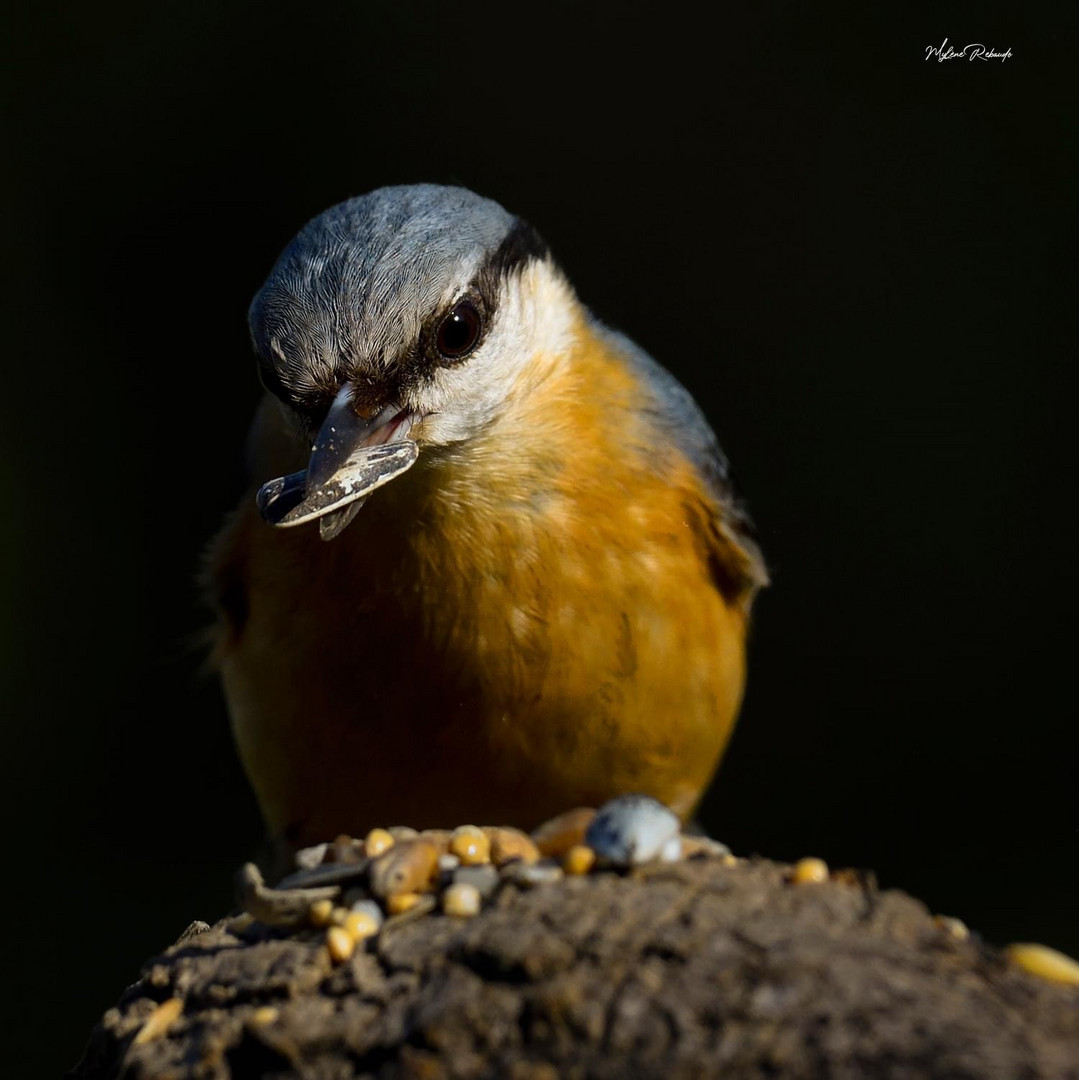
{"x":671,"y":850}
{"x":400,"y":903}
{"x":509,"y":844}
{"x":340,"y":943}
{"x":393,"y":874}
{"x":360,"y":925}
{"x":398,"y":874}
{"x":1044,"y":962}
{"x":320,"y":913}
{"x":462,"y":899}
{"x":369,"y":908}
{"x":377,"y":842}
{"x":809,"y":871}
{"x":159,"y":1021}
{"x":417,"y":907}
{"x":579,"y":859}
{"x":555,"y":837}
{"x":633,"y":829}
{"x":471,"y":845}
{"x":408,"y":867}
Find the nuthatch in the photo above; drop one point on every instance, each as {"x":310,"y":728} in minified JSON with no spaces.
{"x":543,"y":601}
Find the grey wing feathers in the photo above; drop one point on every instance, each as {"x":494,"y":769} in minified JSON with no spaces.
{"x":678,"y":416}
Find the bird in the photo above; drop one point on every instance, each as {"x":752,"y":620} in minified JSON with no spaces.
{"x":495,"y":565}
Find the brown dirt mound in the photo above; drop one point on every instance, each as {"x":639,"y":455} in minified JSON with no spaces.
{"x":694,"y":969}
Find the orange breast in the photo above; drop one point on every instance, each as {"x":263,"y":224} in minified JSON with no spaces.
{"x":521,"y":624}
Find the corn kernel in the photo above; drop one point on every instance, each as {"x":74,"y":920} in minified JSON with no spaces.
{"x":399,"y":903}
{"x":462,"y":900}
{"x":1045,"y":962}
{"x":809,"y":871}
{"x":470,"y":845}
{"x":359,"y":925}
{"x":320,"y":913}
{"x":340,"y":944}
{"x":579,"y":859}
{"x":376,"y":842}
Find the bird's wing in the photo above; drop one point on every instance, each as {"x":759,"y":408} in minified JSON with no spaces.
{"x":737,"y":563}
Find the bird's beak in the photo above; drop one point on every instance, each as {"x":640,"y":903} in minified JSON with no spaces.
{"x":352,"y":456}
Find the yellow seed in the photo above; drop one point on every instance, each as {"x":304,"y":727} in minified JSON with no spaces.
{"x":266,"y":1014}
{"x":376,"y":842}
{"x":470,"y":845}
{"x":340,"y":944}
{"x":728,"y":860}
{"x":556,"y":836}
{"x":809,"y":871}
{"x":462,"y":899}
{"x":956,"y":928}
{"x":320,"y":913}
{"x":509,"y":844}
{"x":359,"y":925}
{"x":1045,"y":962}
{"x":579,"y":859}
{"x":399,"y":903}
{"x":160,"y":1020}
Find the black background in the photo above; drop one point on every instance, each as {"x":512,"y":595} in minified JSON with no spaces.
{"x":858,"y":261}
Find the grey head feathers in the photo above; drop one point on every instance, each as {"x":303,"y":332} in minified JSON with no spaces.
{"x":350,"y":297}
{"x":353,"y":299}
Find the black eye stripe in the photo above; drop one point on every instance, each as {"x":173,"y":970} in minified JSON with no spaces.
{"x":521,"y":245}
{"x":460,"y":331}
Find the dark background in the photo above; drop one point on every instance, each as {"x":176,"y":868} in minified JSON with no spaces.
{"x":858,"y":262}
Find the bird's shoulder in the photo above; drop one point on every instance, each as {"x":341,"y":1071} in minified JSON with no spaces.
{"x":670,"y":409}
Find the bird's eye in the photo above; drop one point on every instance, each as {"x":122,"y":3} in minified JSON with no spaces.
{"x":459,"y":331}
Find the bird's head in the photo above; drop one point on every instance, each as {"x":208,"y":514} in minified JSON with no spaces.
{"x":395,"y":322}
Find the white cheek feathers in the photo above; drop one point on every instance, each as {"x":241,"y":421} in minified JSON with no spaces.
{"x":532,"y":326}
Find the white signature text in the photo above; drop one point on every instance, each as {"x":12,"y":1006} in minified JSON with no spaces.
{"x":973,"y":51}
